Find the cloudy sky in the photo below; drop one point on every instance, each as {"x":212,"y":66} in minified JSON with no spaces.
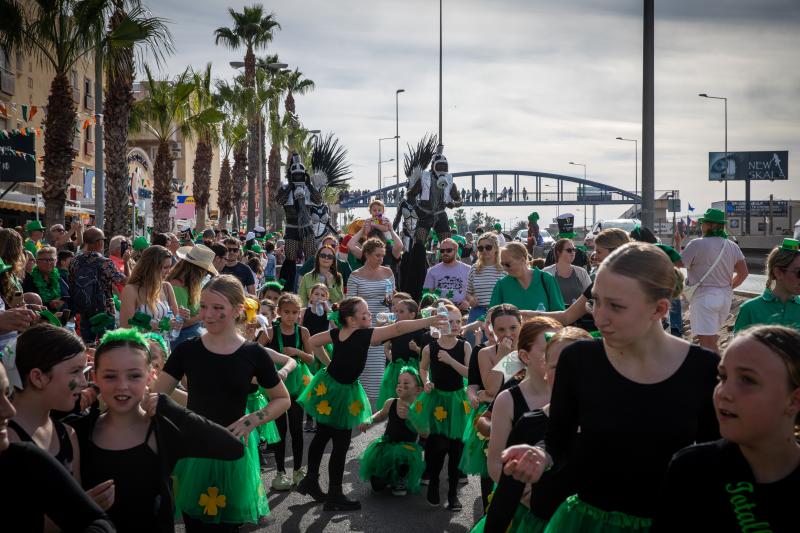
{"x":534,"y":84}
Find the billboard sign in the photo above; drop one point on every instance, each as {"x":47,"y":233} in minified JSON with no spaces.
{"x":755,"y":166}
{"x":759,"y":208}
{"x":18,"y":158}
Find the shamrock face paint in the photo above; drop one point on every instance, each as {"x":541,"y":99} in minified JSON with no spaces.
{"x":66,"y":381}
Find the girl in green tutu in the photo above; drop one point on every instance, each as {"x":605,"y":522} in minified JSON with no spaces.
{"x":290,"y":338}
{"x":401,"y":351}
{"x":395,"y":459}
{"x":483,"y":385}
{"x":219,"y":367}
{"x":336,"y":399}
{"x":441,"y":411}
{"x":623,"y":405}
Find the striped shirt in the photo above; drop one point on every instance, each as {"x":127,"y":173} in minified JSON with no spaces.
{"x":481,"y":285}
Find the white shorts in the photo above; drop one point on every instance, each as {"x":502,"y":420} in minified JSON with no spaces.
{"x":709,"y":310}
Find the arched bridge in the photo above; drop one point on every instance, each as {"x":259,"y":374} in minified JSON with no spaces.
{"x":511,"y":187}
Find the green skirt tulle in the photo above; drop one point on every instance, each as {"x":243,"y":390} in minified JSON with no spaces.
{"x":440,"y":413}
{"x":524,"y":521}
{"x":266,"y":432}
{"x":298,"y":379}
{"x":476,"y":446}
{"x":217,"y":491}
{"x":576,"y":516}
{"x":390,"y":375}
{"x":333,"y":404}
{"x":382,"y":459}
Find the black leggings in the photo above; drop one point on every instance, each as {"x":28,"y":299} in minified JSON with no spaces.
{"x":341,"y":443}
{"x":294,"y":416}
{"x":436,"y":447}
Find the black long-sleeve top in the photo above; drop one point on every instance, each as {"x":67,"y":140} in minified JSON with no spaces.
{"x":179,"y":433}
{"x":34,"y":485}
{"x":628,"y":431}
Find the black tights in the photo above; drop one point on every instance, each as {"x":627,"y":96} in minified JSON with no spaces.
{"x":436,"y":447}
{"x":193,"y":525}
{"x":294,"y":416}
{"x":486,"y":489}
{"x":341,"y":443}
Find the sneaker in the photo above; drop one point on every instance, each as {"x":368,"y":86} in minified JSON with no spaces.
{"x":309,"y":426}
{"x":298,"y":476}
{"x":281,"y":482}
{"x":453,"y":504}
{"x":340,"y":502}
{"x":433,"y":495}
{"x":311,"y":488}
{"x":377,"y":483}
{"x":400,"y":489}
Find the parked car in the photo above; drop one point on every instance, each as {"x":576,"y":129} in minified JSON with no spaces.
{"x":625,"y":224}
{"x":522,"y":236}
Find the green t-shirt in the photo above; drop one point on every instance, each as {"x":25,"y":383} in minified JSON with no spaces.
{"x":767,"y":309}
{"x":542,"y":289}
{"x":182,"y":297}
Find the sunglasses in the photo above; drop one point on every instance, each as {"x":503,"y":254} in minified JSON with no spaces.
{"x":569,"y":250}
{"x":325,"y":256}
{"x":233,"y":250}
{"x":487,"y":248}
{"x":59,"y":230}
{"x":446,"y":250}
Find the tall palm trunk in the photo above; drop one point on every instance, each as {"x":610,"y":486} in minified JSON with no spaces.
{"x":224,"y":193}
{"x":58,"y":152}
{"x":117,"y":105}
{"x":252,"y":140}
{"x":273,"y":183}
{"x":239,"y":174}
{"x":202,"y":181}
{"x":162,"y":189}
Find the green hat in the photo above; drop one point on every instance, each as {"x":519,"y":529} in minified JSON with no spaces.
{"x":34,"y":225}
{"x":256,"y":248}
{"x":140,"y":243}
{"x":715,"y":216}
{"x":4,"y":266}
{"x":498,"y":227}
{"x":533,"y":217}
{"x":791,"y":245}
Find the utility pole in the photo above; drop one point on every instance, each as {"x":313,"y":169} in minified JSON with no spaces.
{"x":648,"y":132}
{"x":99,"y":174}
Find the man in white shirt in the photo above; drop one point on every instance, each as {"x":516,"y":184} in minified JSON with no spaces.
{"x":450,"y":275}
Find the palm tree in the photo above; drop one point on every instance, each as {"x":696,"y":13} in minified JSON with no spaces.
{"x":295,"y":83}
{"x":253,"y":30}
{"x":59,"y":33}
{"x":234,"y":129}
{"x":233,"y":100}
{"x":164,"y":112}
{"x":207,"y":136}
{"x":117,"y":104}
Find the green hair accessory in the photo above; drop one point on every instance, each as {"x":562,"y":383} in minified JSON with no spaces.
{"x":117,"y":303}
{"x":276,"y":285}
{"x":333,"y":316}
{"x":102,"y":322}
{"x":413,"y":371}
{"x":436,"y":293}
{"x":596,"y":334}
{"x":131,"y":335}
{"x":50,"y":317}
{"x":159,"y":340}
{"x":140,"y":321}
{"x":791,"y":245}
{"x":548,"y":336}
{"x":164,"y":324}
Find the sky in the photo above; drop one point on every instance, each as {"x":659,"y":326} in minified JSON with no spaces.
{"x":533,"y":84}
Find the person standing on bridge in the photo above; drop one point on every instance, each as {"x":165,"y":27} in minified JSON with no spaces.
{"x":780,"y":303}
{"x":721,"y":266}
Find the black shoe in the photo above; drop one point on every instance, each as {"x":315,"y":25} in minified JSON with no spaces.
{"x":340,"y":502}
{"x":433,"y":494}
{"x":311,"y":488}
{"x":377,"y":483}
{"x":453,"y":504}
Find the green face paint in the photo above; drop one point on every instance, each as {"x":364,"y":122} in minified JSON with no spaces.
{"x":73,"y":384}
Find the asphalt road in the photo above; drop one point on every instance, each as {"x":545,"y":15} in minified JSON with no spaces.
{"x":292,"y":512}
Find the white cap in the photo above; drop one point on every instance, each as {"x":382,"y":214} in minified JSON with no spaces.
{"x":259,"y":229}
{"x":250,"y":236}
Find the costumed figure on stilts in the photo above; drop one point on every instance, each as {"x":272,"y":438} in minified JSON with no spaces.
{"x":431,"y":193}
{"x":328,"y":169}
{"x":296,"y":196}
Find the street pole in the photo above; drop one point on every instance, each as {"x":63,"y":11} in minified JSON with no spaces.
{"x":397,"y":134}
{"x":441,"y":140}
{"x":379,"y":166}
{"x":262,"y":172}
{"x":99,"y":174}
{"x":648,"y":130}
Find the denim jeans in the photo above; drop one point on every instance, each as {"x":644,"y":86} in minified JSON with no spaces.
{"x":676,"y":318}
{"x":475,"y":313}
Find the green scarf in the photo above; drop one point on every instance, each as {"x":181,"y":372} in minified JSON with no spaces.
{"x":50,"y":290}
{"x":716,"y":233}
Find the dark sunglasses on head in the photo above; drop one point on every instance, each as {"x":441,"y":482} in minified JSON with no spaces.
{"x":325,"y":256}
{"x":487,"y":248}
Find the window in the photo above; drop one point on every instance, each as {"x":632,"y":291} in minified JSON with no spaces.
{"x":20,"y":62}
{"x":87,"y":86}
{"x":30,"y":82}
{"x":74,"y":80}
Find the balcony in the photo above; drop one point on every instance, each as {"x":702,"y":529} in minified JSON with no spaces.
{"x":8,"y":82}
{"x":88,"y":101}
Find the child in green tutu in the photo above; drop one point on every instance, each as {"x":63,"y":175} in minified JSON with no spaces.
{"x":395,"y":459}
{"x":401,"y":351}
{"x":441,"y":411}
{"x":336,"y":399}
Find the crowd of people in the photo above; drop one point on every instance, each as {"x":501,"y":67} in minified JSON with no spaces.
{"x":506,"y":194}
{"x":156,"y":378}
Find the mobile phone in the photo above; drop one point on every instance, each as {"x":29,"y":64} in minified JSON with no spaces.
{"x":65,"y":314}
{"x":123,"y":247}
{"x":16,"y":300}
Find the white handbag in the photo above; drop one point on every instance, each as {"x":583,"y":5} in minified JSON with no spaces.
{"x":689,"y":290}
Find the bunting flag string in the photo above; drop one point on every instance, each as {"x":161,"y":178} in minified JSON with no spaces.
{"x":29,"y":111}
{"x":4,"y":150}
{"x":6,"y":134}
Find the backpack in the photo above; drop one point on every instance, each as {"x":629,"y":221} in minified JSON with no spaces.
{"x":86,"y":292}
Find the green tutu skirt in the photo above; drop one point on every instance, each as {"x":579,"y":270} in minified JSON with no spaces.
{"x":266,"y":432}
{"x":333,"y":404}
{"x":298,"y":379}
{"x":576,"y":516}
{"x":389,"y":381}
{"x":476,"y":446}
{"x":382,"y":459}
{"x":524,"y":521}
{"x":440,"y":413}
{"x":217,"y":491}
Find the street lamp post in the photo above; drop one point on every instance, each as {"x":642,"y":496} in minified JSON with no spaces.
{"x":397,"y":133}
{"x":380,"y":161}
{"x":636,"y":172}
{"x":727,"y":163}
{"x":594,"y":206}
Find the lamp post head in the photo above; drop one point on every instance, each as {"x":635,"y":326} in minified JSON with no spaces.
{"x":236,"y":64}
{"x":398,"y":91}
{"x":314,"y":132}
{"x":704,"y":95}
{"x":571,"y":163}
{"x":620,"y":139}
{"x":276,"y":66}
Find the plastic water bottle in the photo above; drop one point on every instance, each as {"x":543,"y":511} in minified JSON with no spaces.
{"x":389,"y":289}
{"x":441,"y":310}
{"x":71,"y":326}
{"x":541,"y":308}
{"x":427,"y":313}
{"x":175,"y":332}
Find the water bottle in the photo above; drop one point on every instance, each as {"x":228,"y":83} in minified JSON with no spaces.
{"x":71,"y":326}
{"x":441,"y":310}
{"x":541,"y":308}
{"x":427,"y":313}
{"x":175,"y":332}
{"x":389,"y":290}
